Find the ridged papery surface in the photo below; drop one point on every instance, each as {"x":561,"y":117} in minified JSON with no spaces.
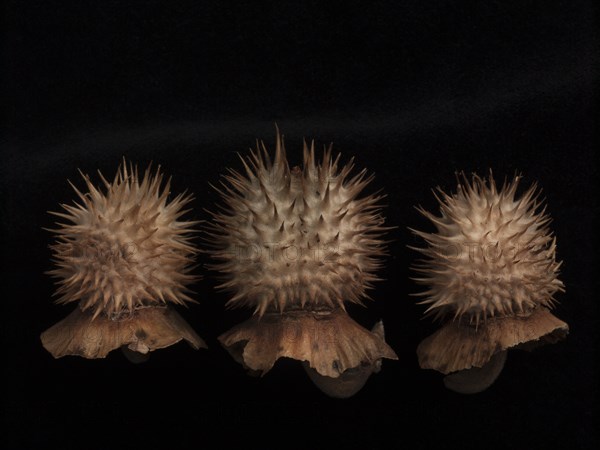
{"x":492,"y":255}
{"x":331,"y":342}
{"x":457,"y":347}
{"x":124,"y":248}
{"x":299,"y":237}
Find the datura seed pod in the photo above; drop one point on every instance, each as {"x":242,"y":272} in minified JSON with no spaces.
{"x":123,"y":256}
{"x":492,"y":274}
{"x":294,"y":245}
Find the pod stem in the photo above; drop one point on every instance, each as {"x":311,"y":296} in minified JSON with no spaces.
{"x":476,"y":379}
{"x":133,"y":356}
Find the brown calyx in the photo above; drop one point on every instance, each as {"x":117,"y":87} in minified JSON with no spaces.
{"x":459,"y":346}
{"x":329,"y":340}
{"x":143,"y":330}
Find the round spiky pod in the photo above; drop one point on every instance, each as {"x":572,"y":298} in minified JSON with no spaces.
{"x":291,"y":238}
{"x":492,"y":255}
{"x":295,"y":245}
{"x":125,"y":248}
{"x":122,"y":252}
{"x":493,"y":263}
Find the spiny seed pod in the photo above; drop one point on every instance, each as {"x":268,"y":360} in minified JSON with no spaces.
{"x":295,"y":245}
{"x":492,"y":274}
{"x":122,"y":256}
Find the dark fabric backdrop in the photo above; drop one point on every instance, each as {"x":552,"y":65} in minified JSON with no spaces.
{"x":414,"y":90}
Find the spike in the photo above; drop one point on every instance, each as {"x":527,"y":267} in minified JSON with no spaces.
{"x":315,"y":196}
{"x":478,"y":215}
{"x":112,"y":268}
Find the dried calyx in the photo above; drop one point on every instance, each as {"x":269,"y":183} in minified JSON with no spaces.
{"x":123,"y":256}
{"x":294,"y":245}
{"x":491,"y":274}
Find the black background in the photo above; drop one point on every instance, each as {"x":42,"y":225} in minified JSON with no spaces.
{"x":414,"y":90}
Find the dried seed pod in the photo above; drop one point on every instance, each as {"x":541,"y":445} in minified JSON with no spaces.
{"x":123,"y":256}
{"x":492,"y":274}
{"x":295,"y":245}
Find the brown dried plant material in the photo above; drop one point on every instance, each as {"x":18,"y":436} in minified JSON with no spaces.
{"x":142,"y":331}
{"x":458,"y":346}
{"x":294,"y":245}
{"x":330,"y":341}
{"x":492,"y":274}
{"x":351,"y":380}
{"x":122,"y":255}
